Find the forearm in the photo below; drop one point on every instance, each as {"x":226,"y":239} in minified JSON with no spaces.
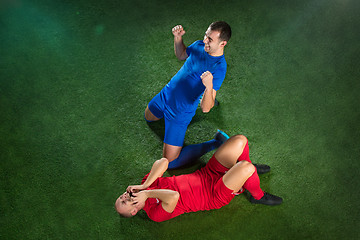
{"x":169,"y":198}
{"x":161,"y":194}
{"x":157,"y":170}
{"x":208,"y":99}
{"x":180,"y":48}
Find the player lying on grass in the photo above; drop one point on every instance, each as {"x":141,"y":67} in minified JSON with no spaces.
{"x":228,"y":173}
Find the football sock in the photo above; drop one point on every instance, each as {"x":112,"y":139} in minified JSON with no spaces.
{"x":190,"y":153}
{"x":252,"y":184}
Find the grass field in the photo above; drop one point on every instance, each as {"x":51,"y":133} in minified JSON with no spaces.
{"x":76,"y":76}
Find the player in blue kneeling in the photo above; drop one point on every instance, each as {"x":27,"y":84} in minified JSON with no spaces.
{"x":201,"y":76}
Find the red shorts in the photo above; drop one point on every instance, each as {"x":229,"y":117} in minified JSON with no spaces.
{"x":212,"y":173}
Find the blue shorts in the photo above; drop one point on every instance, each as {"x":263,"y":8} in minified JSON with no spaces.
{"x":174,"y":129}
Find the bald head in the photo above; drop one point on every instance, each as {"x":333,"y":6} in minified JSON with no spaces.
{"x":124,"y":206}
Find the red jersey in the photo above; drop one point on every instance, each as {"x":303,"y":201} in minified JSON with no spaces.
{"x":201,"y":190}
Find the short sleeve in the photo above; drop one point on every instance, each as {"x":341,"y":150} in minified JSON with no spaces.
{"x":219,"y":76}
{"x":190,"y":48}
{"x":156,"y":212}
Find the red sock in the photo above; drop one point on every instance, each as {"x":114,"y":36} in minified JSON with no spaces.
{"x":252,"y":184}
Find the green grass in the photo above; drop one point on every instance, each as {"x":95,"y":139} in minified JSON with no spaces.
{"x":76,"y":76}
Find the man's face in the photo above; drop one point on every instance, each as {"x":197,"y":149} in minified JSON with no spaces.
{"x":212,"y":42}
{"x":124,"y":205}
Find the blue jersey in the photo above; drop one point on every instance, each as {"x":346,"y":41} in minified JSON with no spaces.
{"x":181,"y":95}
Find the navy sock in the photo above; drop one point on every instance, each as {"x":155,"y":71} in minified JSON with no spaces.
{"x":190,"y":153}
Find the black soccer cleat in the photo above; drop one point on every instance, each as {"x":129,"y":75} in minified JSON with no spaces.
{"x":267,"y":199}
{"x":262,"y":168}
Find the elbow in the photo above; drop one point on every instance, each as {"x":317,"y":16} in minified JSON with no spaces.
{"x":162,"y":164}
{"x":172,"y":201}
{"x":164,"y":161}
{"x":205,"y":109}
{"x":181,"y":58}
{"x":176,"y":197}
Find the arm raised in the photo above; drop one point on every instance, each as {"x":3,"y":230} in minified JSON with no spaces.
{"x":179,"y":46}
{"x":169,"y":198}
{"x":157,"y":170}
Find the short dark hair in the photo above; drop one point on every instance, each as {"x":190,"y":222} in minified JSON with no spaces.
{"x":223,"y":28}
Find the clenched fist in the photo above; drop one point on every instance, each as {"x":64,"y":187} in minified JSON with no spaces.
{"x":207,"y":79}
{"x":178,"y":31}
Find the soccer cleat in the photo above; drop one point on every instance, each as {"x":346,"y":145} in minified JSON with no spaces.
{"x":262,"y":168}
{"x":220,"y":136}
{"x":267,"y":199}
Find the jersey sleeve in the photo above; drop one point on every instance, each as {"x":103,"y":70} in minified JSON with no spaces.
{"x":219,"y":76}
{"x":191,"y":48}
{"x":157,"y":213}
